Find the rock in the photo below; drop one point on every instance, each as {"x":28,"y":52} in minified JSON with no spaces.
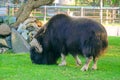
{"x":8,"y":41}
{"x":1,"y":19}
{"x":4,"y":29}
{"x":5,"y":39}
{"x":2,"y":50}
{"x":9,"y":19}
{"x":2,"y":42}
{"x":3,"y":46}
{"x":19,"y":45}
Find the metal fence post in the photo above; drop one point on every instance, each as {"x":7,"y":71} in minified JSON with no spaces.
{"x":45,"y":13}
{"x":81,"y":11}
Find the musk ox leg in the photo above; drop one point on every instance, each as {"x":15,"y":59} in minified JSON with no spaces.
{"x":63,"y":60}
{"x":85,"y":67}
{"x":78,"y":61}
{"x":94,"y":67}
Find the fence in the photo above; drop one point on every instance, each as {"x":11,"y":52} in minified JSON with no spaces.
{"x":3,"y":11}
{"x":104,"y":15}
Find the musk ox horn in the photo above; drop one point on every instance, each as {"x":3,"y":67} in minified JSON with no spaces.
{"x":35,"y":43}
{"x":44,"y":28}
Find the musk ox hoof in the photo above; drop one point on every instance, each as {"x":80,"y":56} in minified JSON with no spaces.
{"x":78,"y":64}
{"x":94,"y":67}
{"x":63,"y":64}
{"x":84,"y":68}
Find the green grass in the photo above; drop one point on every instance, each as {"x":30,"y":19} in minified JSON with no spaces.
{"x":19,"y":67}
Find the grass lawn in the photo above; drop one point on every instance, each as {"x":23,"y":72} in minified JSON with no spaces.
{"x":19,"y":67}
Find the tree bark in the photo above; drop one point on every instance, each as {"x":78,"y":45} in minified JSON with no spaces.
{"x":25,"y":10}
{"x":19,"y":11}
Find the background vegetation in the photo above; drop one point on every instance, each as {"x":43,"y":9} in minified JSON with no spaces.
{"x":114,"y":3}
{"x":19,"y":67}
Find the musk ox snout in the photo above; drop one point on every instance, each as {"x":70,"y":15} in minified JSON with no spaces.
{"x":35,"y":55}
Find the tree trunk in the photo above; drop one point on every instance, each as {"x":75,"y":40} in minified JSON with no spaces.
{"x":25,"y":10}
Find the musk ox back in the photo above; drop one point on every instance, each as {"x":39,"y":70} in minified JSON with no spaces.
{"x":62,"y":35}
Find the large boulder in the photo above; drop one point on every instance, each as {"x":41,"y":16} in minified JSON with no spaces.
{"x":4,"y":45}
{"x":19,"y":45}
{"x":4,"y":30}
{"x":5,"y":42}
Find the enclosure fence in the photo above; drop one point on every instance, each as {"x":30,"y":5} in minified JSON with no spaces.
{"x":103,"y":15}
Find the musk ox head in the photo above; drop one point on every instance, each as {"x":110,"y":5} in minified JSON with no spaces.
{"x":36,"y":56}
{"x":36,"y":52}
{"x":40,"y":56}
{"x":36,"y":49}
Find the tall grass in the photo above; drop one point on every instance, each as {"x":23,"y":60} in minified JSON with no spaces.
{"x":19,"y":67}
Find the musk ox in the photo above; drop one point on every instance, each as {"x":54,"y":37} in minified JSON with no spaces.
{"x":62,"y":35}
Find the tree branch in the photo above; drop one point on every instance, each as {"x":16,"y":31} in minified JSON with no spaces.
{"x":24,"y":11}
{"x":38,"y":3}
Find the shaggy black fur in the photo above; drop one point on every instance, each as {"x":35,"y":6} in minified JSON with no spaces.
{"x":64,"y":34}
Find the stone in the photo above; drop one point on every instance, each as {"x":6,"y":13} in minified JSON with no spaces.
{"x":9,"y":19}
{"x":8,"y":41}
{"x":3,"y":42}
{"x":2,"y":50}
{"x":4,"y":29}
{"x":19,"y":44}
{"x":1,"y":19}
{"x":3,"y":46}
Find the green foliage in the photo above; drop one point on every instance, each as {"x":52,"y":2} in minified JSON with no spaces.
{"x":110,"y":3}
{"x":15,"y":1}
{"x":115,"y":2}
{"x":19,"y":67}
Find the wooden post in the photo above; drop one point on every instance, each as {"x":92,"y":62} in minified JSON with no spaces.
{"x":81,"y":11}
{"x":45,"y":13}
{"x":114,"y":15}
{"x":107,"y":16}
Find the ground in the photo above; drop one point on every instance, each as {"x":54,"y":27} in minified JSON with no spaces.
{"x":19,"y":67}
